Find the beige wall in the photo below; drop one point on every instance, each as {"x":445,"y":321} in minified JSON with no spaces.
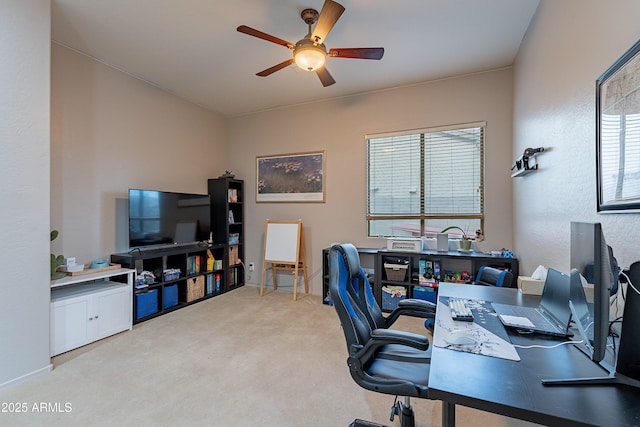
{"x":339,"y":127}
{"x":111,"y":132}
{"x":24,"y":189}
{"x":569,"y":44}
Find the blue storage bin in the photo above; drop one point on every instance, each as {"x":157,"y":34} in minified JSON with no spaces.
{"x":146,"y":303}
{"x":425,"y":293}
{"x":170,"y":296}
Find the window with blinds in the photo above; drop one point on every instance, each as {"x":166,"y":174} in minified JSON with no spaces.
{"x":419,"y":182}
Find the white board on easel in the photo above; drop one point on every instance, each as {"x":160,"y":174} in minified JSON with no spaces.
{"x":284,"y":251}
{"x":282,"y":241}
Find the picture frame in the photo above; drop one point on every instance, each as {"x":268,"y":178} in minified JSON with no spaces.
{"x":618,"y":135}
{"x":297,"y":177}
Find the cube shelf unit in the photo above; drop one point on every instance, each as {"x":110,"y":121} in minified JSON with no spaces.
{"x":227,"y":225}
{"x":194,"y":283}
{"x":450,"y":263}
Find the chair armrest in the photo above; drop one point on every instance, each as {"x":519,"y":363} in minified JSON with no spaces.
{"x":417,"y":305}
{"x":393,"y":336}
{"x":412,"y":307}
{"x":382,"y":337}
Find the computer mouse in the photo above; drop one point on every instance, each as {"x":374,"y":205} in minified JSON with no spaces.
{"x":460,"y":337}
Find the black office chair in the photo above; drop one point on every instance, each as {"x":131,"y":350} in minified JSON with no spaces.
{"x":361,"y":291}
{"x":383,"y":360}
{"x":489,"y":276}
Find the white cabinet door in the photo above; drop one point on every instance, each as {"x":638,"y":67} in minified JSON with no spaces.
{"x":69,"y":324}
{"x":112,"y":311}
{"x":85,"y":313}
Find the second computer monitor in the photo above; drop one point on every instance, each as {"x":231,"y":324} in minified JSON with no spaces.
{"x":590,"y":256}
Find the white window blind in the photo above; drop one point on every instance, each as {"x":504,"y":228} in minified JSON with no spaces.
{"x":422,"y":181}
{"x":620,"y":158}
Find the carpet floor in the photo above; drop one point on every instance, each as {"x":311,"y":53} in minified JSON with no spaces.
{"x":234,"y":360}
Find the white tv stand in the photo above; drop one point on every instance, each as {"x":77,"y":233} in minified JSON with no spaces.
{"x":89,"y":307}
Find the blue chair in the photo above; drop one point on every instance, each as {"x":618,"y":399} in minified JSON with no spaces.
{"x":383,"y":360}
{"x":489,"y":276}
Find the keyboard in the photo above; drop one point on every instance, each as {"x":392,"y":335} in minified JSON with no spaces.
{"x":459,"y":310}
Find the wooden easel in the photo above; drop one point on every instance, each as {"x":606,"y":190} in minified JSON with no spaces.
{"x":284,"y":251}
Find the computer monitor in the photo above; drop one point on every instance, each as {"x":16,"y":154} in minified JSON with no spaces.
{"x":185,"y":232}
{"x":592,"y":258}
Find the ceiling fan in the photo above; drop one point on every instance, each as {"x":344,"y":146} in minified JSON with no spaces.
{"x":310,"y":52}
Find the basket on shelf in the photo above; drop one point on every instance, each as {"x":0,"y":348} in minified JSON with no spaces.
{"x":396,"y":272}
{"x":171,"y":274}
{"x":391,"y":295}
{"x":195,"y":288}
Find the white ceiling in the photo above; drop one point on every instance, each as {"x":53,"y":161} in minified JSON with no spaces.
{"x":191,"y":47}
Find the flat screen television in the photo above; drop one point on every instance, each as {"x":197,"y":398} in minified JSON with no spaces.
{"x":164,"y":218}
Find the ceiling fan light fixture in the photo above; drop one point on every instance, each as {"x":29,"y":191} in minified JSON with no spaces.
{"x":309,"y":57}
{"x":310,"y":53}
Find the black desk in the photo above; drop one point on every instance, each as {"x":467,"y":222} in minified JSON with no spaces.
{"x":514,"y":389}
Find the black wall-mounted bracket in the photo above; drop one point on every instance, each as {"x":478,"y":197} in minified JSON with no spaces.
{"x":526,"y":163}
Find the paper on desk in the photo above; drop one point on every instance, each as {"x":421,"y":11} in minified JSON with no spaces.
{"x":487,"y":343}
{"x":516,"y":321}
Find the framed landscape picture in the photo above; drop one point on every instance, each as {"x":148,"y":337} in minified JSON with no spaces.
{"x":291,"y":177}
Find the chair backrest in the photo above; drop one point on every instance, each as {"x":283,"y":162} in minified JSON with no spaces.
{"x":360,"y":288}
{"x":489,"y":276}
{"x":404,"y":373}
{"x":346,"y":279}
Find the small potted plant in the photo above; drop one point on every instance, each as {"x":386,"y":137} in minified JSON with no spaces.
{"x":56,"y":261}
{"x":465,"y":241}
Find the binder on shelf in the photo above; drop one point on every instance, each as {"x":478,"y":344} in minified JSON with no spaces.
{"x":194,"y":264}
{"x":209,"y":284}
{"x":210,"y":260}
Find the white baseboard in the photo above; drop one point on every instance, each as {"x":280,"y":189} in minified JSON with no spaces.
{"x":26,"y":377}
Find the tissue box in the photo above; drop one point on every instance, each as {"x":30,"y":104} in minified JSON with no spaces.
{"x":530,"y":286}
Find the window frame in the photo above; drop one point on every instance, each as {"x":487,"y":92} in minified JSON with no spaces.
{"x":423,"y":216}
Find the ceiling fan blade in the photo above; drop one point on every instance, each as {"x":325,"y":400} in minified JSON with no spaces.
{"x":357,"y":52}
{"x":329,"y":15}
{"x":264,"y":36}
{"x":325,"y":76}
{"x":280,"y":66}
